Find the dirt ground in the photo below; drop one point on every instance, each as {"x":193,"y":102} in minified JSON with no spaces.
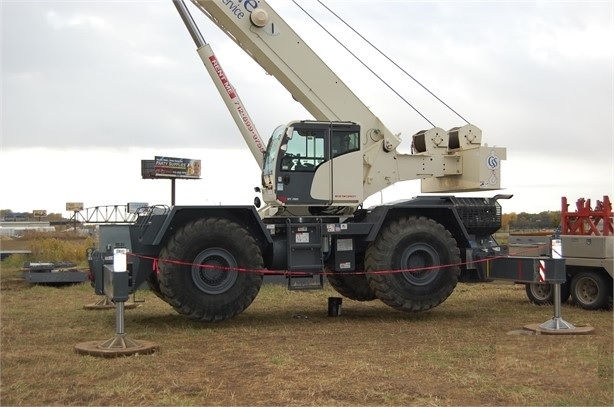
{"x":285,"y":350}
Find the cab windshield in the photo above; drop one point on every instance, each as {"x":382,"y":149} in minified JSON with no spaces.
{"x":271,"y":151}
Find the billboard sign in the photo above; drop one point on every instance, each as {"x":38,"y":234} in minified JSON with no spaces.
{"x":135,"y":207}
{"x":74,"y":206}
{"x":172,"y":167}
{"x":39,"y":213}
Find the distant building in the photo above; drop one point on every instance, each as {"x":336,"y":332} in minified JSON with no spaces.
{"x":16,"y":228}
{"x":16,"y":217}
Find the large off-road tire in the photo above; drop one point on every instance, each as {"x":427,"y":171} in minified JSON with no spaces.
{"x":591,"y":290}
{"x":543,"y":294}
{"x":154,"y":285}
{"x":221,"y":290}
{"x":413,"y":243}
{"x":352,"y":286}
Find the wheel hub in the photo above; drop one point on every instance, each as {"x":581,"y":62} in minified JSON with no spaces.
{"x":213,"y":271}
{"x":587,"y":290}
{"x":541,"y":291}
{"x":420,"y":256}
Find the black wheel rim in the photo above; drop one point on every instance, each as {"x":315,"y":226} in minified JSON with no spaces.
{"x":215,"y":278}
{"x":420,"y":256}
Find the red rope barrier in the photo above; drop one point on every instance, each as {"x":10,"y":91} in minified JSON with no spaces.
{"x":157,"y":260}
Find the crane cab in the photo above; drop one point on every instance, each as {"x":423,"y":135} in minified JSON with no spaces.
{"x":312,"y":163}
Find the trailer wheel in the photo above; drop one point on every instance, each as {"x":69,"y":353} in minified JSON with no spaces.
{"x":543,"y":294}
{"x":353,"y":286}
{"x":590,"y":290}
{"x":219,"y":290}
{"x":413,"y":243}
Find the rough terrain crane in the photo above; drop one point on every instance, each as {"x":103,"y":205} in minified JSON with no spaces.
{"x":209,"y":261}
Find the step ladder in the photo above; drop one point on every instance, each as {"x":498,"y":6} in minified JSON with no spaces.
{"x":305,"y":257}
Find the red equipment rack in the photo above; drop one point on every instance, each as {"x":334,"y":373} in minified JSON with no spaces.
{"x":587,"y":221}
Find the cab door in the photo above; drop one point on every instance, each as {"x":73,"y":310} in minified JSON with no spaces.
{"x":346,"y":164}
{"x":303,"y":153}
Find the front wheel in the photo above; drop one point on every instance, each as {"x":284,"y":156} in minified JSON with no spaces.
{"x":154,"y":285}
{"x":424,"y":248}
{"x":206,"y":270}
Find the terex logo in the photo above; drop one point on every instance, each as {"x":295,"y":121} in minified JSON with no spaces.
{"x":239,"y":7}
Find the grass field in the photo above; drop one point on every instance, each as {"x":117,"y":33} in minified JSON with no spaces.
{"x":285,"y":350}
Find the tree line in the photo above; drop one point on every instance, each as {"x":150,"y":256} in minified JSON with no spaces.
{"x":8,"y":215}
{"x":547,"y":220}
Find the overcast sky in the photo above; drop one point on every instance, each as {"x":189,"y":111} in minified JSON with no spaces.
{"x":89,"y":88}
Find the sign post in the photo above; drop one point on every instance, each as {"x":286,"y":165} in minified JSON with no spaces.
{"x":74,"y":207}
{"x":39,"y":213}
{"x":173,"y":191}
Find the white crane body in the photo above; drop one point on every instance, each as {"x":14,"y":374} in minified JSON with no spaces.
{"x":452,"y":161}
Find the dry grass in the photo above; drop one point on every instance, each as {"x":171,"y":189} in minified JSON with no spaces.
{"x":47,"y":247}
{"x":285,"y":350}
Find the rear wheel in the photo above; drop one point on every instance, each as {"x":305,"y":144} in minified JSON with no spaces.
{"x":202,"y":270}
{"x":591,"y":290}
{"x":353,"y":286}
{"x":543,"y":294}
{"x":413,"y":243}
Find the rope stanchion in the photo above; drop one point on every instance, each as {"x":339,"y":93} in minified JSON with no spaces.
{"x":120,"y":344}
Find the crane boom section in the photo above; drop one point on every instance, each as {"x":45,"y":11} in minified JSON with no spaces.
{"x":279,"y":50}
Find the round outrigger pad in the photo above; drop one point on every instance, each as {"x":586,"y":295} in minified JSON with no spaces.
{"x":119,"y":345}
{"x":538,"y":329}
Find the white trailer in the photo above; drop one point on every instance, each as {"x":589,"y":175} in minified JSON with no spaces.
{"x":587,"y":245}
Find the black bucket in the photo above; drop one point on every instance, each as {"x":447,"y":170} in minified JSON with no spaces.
{"x":334,"y":306}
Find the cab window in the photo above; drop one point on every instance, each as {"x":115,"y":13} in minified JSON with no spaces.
{"x":345,"y":141}
{"x":304,"y":151}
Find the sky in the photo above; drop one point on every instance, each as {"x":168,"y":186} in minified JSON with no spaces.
{"x":91,"y":88}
